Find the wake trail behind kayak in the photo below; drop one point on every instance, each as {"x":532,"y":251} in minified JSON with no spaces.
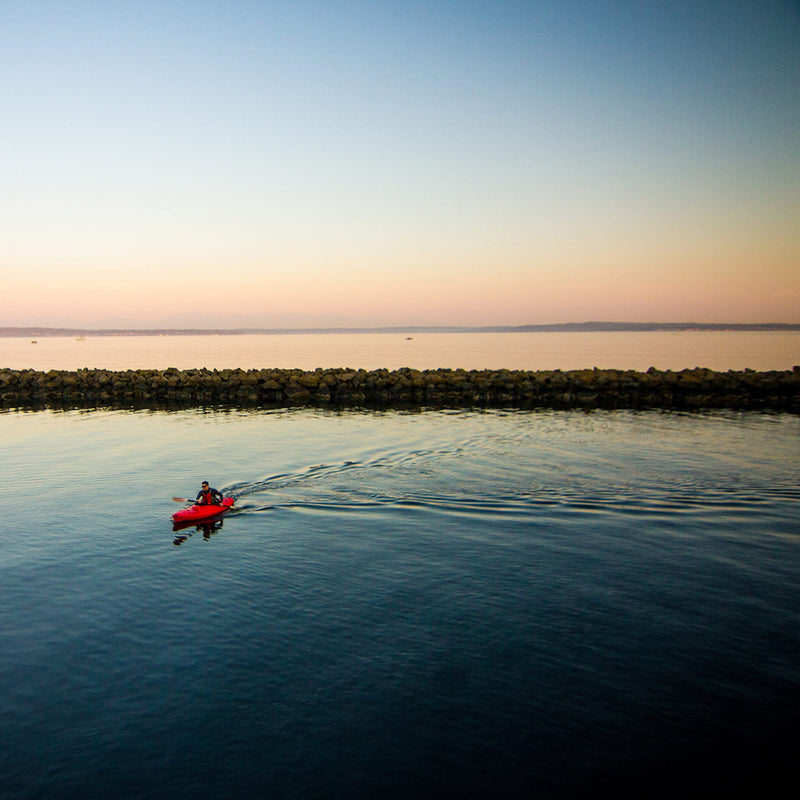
{"x":388,"y":478}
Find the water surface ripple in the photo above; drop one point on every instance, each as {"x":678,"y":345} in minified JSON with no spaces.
{"x":549,"y":604}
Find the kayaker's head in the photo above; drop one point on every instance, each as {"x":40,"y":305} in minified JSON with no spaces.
{"x":204,"y":486}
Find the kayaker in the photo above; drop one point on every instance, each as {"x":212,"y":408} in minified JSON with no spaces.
{"x":207,"y":496}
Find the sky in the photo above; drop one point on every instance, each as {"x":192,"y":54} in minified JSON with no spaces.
{"x":295,"y":164}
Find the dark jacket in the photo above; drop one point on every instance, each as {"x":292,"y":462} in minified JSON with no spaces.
{"x":209,"y":498}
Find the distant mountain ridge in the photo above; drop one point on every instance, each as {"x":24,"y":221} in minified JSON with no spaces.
{"x":563,"y":327}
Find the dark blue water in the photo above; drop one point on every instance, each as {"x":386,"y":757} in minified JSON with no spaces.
{"x":404,"y":605}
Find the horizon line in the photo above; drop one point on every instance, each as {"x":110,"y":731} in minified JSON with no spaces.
{"x":567,"y":327}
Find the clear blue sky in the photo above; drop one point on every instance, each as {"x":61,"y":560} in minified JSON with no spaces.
{"x":399,"y":162}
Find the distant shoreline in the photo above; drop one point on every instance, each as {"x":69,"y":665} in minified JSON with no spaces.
{"x":567,"y":327}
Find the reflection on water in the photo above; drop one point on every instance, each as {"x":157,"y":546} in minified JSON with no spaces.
{"x":206,"y":528}
{"x":455,"y":604}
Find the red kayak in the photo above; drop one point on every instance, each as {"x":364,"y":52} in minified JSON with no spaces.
{"x":199,"y":513}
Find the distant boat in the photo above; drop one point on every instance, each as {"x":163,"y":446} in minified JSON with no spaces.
{"x":80,"y":339}
{"x":33,"y":341}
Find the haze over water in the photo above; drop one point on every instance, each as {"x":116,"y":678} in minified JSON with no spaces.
{"x":718,"y":350}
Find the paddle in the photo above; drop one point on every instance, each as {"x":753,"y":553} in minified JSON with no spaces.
{"x":188,"y":500}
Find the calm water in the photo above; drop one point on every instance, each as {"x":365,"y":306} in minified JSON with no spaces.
{"x":404,"y":605}
{"x":680,"y":350}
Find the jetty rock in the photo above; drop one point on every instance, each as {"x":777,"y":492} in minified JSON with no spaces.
{"x":405,"y":388}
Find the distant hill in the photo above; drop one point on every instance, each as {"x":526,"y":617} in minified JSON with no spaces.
{"x":565,"y":327}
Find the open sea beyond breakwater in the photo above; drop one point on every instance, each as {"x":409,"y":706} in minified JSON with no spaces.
{"x":442,"y":604}
{"x":716,"y":350}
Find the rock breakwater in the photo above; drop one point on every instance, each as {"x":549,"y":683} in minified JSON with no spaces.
{"x":691,"y":389}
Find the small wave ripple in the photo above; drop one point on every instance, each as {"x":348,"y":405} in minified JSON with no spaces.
{"x":465,"y":479}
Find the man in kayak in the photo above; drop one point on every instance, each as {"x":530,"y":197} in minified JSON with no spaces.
{"x":207,"y":496}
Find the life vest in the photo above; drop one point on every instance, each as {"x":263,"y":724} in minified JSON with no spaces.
{"x":207,"y":498}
